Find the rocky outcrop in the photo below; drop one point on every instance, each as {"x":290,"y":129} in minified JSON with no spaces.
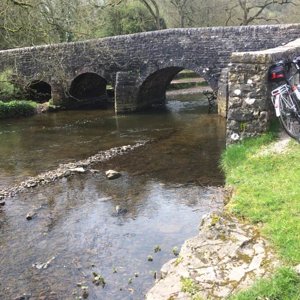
{"x":225,"y":257}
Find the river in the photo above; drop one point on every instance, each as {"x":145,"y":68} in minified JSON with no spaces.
{"x":165,"y":188}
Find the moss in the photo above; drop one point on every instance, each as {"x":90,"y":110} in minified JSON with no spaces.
{"x":178,"y":261}
{"x":214,"y":219}
{"x":189,"y":286}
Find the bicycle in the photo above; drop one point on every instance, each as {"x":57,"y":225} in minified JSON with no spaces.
{"x":286,"y":97}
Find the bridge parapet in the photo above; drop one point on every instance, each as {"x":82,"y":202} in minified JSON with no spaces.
{"x":140,"y":66}
{"x":249,"y":106}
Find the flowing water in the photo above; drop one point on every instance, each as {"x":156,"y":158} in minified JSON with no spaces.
{"x":165,"y":188}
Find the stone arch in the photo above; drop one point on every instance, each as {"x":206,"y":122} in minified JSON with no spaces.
{"x":153,"y":89}
{"x":88,"y":86}
{"x":39,"y":91}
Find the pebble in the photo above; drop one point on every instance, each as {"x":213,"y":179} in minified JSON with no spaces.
{"x":64,"y":170}
{"x":30,"y":216}
{"x":112,"y":174}
{"x":23,"y":297}
{"x":78,"y":170}
{"x":2,"y":203}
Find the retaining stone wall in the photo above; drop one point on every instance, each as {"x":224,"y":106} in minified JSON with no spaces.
{"x":249,"y":105}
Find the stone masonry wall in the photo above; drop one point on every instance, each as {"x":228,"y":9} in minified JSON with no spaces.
{"x":249,"y":105}
{"x":204,"y":50}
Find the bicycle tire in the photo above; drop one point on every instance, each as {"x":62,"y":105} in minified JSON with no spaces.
{"x":289,"y":118}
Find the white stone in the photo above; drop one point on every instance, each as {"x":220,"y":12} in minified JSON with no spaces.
{"x":237,"y":92}
{"x":167,"y":267}
{"x":223,"y":292}
{"x":236,"y":274}
{"x":297,"y":269}
{"x":235,"y":137}
{"x":250,"y":81}
{"x":78,"y":170}
{"x":111,"y":174}
{"x":250,"y":101}
{"x":206,"y":274}
{"x":259,"y":248}
{"x":256,"y":262}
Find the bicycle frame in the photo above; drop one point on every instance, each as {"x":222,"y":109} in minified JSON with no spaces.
{"x":277,"y":94}
{"x":286,"y":98}
{"x":283,"y":93}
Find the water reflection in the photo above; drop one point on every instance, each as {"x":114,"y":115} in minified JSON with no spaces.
{"x":76,"y":230}
{"x":32,"y":145}
{"x":75,"y":226}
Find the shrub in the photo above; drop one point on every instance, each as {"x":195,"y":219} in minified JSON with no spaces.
{"x":7,"y":89}
{"x":16,"y":108}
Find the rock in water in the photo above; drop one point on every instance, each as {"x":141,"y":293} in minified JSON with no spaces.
{"x":111,"y":174}
{"x":120,"y":210}
{"x":30,"y":215}
{"x":78,"y":170}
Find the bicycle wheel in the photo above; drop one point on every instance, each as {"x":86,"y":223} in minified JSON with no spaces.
{"x":290,"y":115}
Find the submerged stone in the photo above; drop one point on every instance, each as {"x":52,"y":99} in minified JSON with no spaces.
{"x":30,"y":215}
{"x":78,"y":170}
{"x":111,"y":174}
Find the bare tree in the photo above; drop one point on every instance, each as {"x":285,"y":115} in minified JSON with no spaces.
{"x":249,"y":11}
{"x":153,"y":7}
{"x":184,"y":9}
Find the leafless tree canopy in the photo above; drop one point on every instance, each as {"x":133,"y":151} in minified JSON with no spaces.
{"x":33,"y":22}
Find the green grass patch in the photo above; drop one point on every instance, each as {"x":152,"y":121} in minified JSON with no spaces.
{"x":190,"y":287}
{"x":16,"y":108}
{"x":285,"y":285}
{"x":267,"y":190}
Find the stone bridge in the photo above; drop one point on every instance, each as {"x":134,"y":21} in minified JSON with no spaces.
{"x":139,"y":67}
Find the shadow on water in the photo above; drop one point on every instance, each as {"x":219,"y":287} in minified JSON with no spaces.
{"x":76,"y":229}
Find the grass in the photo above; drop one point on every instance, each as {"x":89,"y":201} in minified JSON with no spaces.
{"x":267,"y":191}
{"x":17,"y":108}
{"x":285,"y":285}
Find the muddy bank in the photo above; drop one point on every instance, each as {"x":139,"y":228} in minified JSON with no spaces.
{"x":225,"y":257}
{"x":65,"y":170}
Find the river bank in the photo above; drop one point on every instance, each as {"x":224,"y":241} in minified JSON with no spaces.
{"x":230,"y":254}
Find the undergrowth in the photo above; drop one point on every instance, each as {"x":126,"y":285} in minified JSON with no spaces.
{"x":17,"y":108}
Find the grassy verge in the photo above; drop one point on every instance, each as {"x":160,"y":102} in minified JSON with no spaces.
{"x":17,"y":108}
{"x":267,"y":191}
{"x":285,"y":285}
